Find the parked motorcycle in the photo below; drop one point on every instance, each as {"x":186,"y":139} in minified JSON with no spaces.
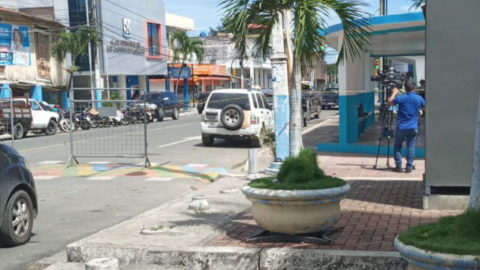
{"x":64,"y":122}
{"x":134,"y":114}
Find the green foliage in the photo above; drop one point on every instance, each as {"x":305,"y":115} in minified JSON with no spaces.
{"x":454,"y":235}
{"x":417,"y":4}
{"x":308,"y":24}
{"x":114,"y":95}
{"x":76,"y":42}
{"x":327,"y":182}
{"x":301,"y":169}
{"x":187,"y":48}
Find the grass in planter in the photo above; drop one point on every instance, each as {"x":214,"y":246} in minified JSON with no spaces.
{"x":454,"y":235}
{"x":323,"y":183}
{"x":300,"y":173}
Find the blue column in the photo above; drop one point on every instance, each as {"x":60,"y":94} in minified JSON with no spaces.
{"x":185,"y":93}
{"x":282,"y":134}
{"x":65,"y":100}
{"x":36,"y":93}
{"x":98,"y":97}
{"x":167,"y":84}
{"x":5,"y":93}
{"x":348,"y":128}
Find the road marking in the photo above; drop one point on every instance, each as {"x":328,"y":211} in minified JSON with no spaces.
{"x":104,"y":178}
{"x":47,"y":162}
{"x":101,"y":138}
{"x":99,"y":162}
{"x":159,"y":179}
{"x":181,"y":141}
{"x":45,"y":177}
{"x":197,"y":165}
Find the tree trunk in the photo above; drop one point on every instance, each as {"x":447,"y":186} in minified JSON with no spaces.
{"x":178,"y":79}
{"x":474,"y":202}
{"x":296,"y":112}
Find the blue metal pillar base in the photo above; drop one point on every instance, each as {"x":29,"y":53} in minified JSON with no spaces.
{"x":186,"y":100}
{"x":274,"y":168}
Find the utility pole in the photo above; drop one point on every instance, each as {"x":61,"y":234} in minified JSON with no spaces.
{"x":92,"y":93}
{"x":383,"y":60}
{"x":280,"y":98}
{"x":98,"y":79}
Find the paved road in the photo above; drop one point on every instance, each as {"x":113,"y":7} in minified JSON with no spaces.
{"x":80,"y":201}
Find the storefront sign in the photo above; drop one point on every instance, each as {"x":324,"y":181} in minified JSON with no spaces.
{"x":127,"y":28}
{"x":174,"y":72}
{"x":209,"y":70}
{"x":42,"y":45}
{"x":125,"y":47}
{"x":14,"y":45}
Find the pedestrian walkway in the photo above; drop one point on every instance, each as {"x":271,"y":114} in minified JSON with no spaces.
{"x":373,"y":214}
{"x":102,"y":170}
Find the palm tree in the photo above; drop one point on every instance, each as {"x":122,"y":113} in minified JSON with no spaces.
{"x":417,"y":4}
{"x":308,"y":22}
{"x":186,"y":48}
{"x":76,"y":43}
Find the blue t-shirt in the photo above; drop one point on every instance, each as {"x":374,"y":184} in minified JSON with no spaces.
{"x":409,"y":106}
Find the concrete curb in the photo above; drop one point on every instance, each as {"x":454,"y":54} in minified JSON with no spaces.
{"x":189,"y":113}
{"x":221,"y":258}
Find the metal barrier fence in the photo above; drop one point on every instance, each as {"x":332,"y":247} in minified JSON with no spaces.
{"x":108,"y":128}
{"x":6,"y":120}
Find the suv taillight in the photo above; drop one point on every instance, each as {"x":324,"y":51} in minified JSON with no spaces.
{"x":253,"y":120}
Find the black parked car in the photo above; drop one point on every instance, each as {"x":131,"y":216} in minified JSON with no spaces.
{"x":330,"y":97}
{"x":201,"y":99}
{"x":167,"y":103}
{"x":18,"y":198}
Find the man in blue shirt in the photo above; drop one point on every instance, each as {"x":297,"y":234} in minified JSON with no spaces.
{"x":409,"y":106}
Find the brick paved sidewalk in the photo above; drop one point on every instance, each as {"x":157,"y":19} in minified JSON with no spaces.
{"x":372,"y":215}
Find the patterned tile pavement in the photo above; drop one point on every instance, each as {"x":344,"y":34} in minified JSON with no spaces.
{"x":202,"y":172}
{"x":372,"y":215}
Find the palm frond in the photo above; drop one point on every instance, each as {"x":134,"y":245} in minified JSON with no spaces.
{"x":356,"y":27}
{"x":417,"y":4}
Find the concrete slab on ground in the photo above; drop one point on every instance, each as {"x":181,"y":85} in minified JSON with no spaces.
{"x":185,"y":242}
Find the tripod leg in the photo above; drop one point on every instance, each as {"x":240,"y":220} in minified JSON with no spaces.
{"x":388,"y":153}
{"x":378,"y":153}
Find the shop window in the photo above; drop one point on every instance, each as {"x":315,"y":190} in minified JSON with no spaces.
{"x":154,"y":43}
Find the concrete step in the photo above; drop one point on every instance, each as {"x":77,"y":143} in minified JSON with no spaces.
{"x":81,"y":266}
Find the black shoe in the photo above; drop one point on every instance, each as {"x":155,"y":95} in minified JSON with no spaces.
{"x":408,"y":170}
{"x":398,"y":169}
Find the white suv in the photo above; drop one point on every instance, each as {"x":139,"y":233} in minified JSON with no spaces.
{"x":235,"y":114}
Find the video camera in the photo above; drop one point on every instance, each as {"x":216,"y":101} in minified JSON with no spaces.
{"x":391,"y":79}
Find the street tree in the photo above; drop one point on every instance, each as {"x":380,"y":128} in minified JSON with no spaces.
{"x":186,"y":47}
{"x":309,"y":25}
{"x":76,"y":43}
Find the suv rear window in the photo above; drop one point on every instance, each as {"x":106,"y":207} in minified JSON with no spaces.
{"x":220,"y":100}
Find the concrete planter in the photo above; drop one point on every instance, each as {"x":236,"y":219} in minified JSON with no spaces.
{"x":419,"y":259}
{"x":296,"y":211}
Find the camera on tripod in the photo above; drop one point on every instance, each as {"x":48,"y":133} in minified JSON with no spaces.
{"x":390,"y":79}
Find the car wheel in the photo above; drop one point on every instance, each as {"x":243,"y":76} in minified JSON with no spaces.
{"x":319,"y":110}
{"x":17,"y":220}
{"x":18,"y":131}
{"x":160,"y":114}
{"x":232,"y":117}
{"x":51,"y":128}
{"x":207,"y":140}
{"x":175,"y":115}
